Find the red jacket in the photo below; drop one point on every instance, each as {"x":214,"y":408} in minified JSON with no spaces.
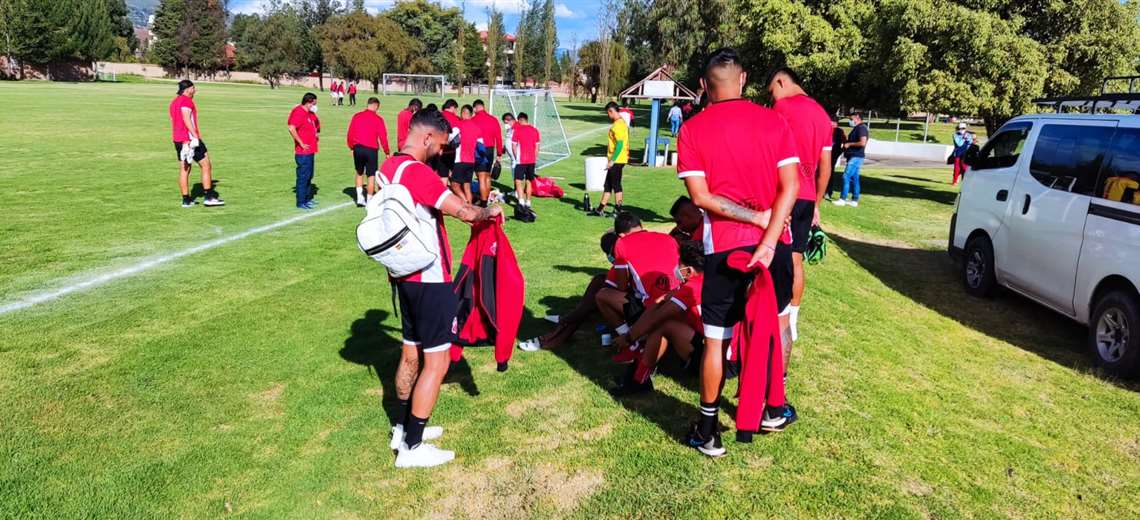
{"x":490,"y":287}
{"x":756,"y":343}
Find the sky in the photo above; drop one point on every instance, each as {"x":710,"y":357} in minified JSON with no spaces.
{"x":575,"y":18}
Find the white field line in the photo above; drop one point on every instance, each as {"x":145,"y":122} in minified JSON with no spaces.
{"x":91,"y":282}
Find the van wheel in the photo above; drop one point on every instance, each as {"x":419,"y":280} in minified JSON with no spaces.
{"x":978,"y":267}
{"x":1114,"y":333}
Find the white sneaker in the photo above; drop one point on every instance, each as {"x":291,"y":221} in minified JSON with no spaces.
{"x":431,"y":433}
{"x":793,"y":318}
{"x":423,"y":456}
{"x":530,"y":345}
{"x":853,"y":204}
{"x":360,"y":200}
{"x":552,"y":318}
{"x":839,"y":202}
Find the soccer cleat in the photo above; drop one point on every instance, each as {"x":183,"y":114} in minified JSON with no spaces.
{"x":630,"y":387}
{"x":839,"y":202}
{"x":709,"y":446}
{"x":214,"y":202}
{"x":502,"y":367}
{"x":423,"y":456}
{"x":628,"y":355}
{"x":777,"y":418}
{"x":853,"y":204}
{"x":188,"y":202}
{"x":431,"y":433}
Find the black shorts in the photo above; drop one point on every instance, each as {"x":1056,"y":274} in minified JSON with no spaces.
{"x":199,"y":152}
{"x":633,"y":308}
{"x":463,"y":173}
{"x":724,"y":294}
{"x":613,"y":178}
{"x":524,"y":172}
{"x":367,"y":160}
{"x":427,"y":315}
{"x":443,"y":163}
{"x":802,"y":215}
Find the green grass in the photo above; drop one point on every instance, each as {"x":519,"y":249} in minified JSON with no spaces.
{"x":247,"y":380}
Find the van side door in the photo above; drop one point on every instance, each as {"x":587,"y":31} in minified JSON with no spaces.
{"x":1048,"y":206}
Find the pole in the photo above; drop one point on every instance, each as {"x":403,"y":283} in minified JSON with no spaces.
{"x":652,"y":151}
{"x":925,"y":126}
{"x":898,"y":122}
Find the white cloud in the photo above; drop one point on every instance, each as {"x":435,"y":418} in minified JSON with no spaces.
{"x":562,"y":11}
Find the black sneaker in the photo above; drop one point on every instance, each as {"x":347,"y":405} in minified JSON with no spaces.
{"x":630,"y":388}
{"x":188,"y":202}
{"x":710,"y":446}
{"x":777,"y":418}
{"x":502,"y":367}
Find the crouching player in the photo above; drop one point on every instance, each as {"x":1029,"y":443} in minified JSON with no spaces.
{"x":567,"y":325}
{"x":676,"y":322}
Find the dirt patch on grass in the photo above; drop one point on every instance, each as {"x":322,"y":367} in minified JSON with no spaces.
{"x":546,"y":401}
{"x":498,"y":487}
{"x":267,"y":403}
{"x":916,"y":487}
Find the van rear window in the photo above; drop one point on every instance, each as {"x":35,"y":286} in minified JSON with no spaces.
{"x":1121,"y":179}
{"x":1068,"y":157}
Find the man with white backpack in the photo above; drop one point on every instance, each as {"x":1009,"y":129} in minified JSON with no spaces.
{"x":412,"y":243}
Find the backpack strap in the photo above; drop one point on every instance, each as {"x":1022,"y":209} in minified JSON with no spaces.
{"x":400,"y":171}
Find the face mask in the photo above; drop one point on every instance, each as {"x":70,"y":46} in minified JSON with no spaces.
{"x":610,"y":258}
{"x":313,"y":109}
{"x":851,"y":123}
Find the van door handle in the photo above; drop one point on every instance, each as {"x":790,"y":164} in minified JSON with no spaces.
{"x":1003,"y":195}
{"x":1025,"y":207}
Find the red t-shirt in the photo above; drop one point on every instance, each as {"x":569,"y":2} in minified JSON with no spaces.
{"x":811,"y":128}
{"x":306,"y":123}
{"x":528,"y":138}
{"x":611,"y":277}
{"x":428,"y":194}
{"x":492,"y":131}
{"x":403,"y":121}
{"x":738,"y":146}
{"x":451,"y":118}
{"x":469,"y":134}
{"x":651,"y":259}
{"x":352,"y":88}
{"x":180,"y":133}
{"x":365,"y":129}
{"x":688,"y":298}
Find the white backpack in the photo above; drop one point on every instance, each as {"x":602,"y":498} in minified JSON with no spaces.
{"x":391,"y":232}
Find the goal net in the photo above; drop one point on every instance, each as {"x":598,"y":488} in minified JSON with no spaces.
{"x":542,"y":112}
{"x":418,"y":84}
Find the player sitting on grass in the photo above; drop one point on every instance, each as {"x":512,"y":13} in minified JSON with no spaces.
{"x":676,"y":322}
{"x":689,"y":220}
{"x":644,"y":261}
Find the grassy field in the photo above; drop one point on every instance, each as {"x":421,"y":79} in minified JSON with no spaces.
{"x":248,"y":379}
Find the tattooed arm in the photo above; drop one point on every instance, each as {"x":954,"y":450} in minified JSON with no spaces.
{"x":466,"y":212}
{"x":722,"y":206}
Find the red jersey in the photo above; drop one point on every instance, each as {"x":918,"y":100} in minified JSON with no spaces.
{"x":738,"y":147}
{"x":527,"y":138}
{"x":428,"y":194}
{"x":469,"y":135}
{"x":180,"y":133}
{"x":611,"y":277}
{"x":366,"y":129}
{"x":811,"y":127}
{"x":307,"y":125}
{"x":492,"y":131}
{"x":352,"y":88}
{"x":688,"y":298}
{"x":651,"y":260}
{"x":403,"y":121}
{"x":451,"y":118}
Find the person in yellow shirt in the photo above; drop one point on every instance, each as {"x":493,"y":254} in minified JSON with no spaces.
{"x":617,"y":155}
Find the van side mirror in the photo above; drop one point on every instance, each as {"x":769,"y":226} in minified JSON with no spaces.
{"x":971,"y":156}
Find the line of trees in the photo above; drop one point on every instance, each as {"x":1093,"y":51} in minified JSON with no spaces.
{"x":44,"y":32}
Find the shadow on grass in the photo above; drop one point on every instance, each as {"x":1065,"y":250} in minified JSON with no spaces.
{"x":874,"y":185}
{"x":647,"y":216}
{"x":197,"y":191}
{"x":589,"y":271}
{"x":930,"y":279}
{"x":377,"y":346}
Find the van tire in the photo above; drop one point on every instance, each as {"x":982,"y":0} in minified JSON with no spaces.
{"x":1114,"y":333}
{"x":978,"y":267}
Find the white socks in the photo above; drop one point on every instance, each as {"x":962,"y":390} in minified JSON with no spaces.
{"x":793,"y":317}
{"x":622,"y":329}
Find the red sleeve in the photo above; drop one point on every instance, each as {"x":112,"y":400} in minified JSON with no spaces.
{"x":424,"y":185}
{"x":296,"y":118}
{"x":688,"y":160}
{"x":685,"y":297}
{"x":382,"y":131}
{"x":348,"y":136}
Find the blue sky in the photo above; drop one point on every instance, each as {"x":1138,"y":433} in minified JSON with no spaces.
{"x":575,"y":18}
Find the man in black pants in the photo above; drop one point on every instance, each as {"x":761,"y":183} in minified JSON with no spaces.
{"x":617,"y":155}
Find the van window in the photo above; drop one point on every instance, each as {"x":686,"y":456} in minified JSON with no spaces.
{"x":1003,"y":149}
{"x":1068,"y":157}
{"x":1121,"y":179}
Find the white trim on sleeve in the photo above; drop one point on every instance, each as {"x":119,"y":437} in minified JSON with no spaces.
{"x":679,"y":303}
{"x":690,"y":173}
{"x":622,"y":266}
{"x":826,"y":149}
{"x":790,"y":160}
{"x":443,"y":347}
{"x":715,"y":332}
{"x":442,"y":197}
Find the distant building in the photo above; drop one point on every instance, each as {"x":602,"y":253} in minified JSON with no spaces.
{"x":508,"y":50}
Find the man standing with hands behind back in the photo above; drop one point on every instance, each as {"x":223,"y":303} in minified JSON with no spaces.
{"x":304,"y":127}
{"x":738,"y":161}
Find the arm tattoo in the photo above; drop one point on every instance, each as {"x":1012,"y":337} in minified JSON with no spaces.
{"x":735,"y":211}
{"x":471,"y":213}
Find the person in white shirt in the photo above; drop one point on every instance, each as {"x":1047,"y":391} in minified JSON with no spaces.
{"x":675,"y":119}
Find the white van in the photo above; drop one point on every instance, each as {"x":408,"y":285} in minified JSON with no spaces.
{"x":1050,"y":208}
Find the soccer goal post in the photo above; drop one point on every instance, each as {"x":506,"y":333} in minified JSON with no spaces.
{"x":415,"y":84}
{"x":542,"y":112}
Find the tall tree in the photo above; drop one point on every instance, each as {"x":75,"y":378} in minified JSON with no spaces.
{"x":91,"y":33}
{"x":607,"y":33}
{"x":460,"y":66}
{"x":495,"y":45}
{"x":518,"y":62}
{"x":37,"y":32}
{"x":274,"y":45}
{"x":316,"y":13}
{"x":191,"y":34}
{"x":474,"y":56}
{"x":550,"y":41}
{"x":435,"y":27}
{"x":365,"y":47}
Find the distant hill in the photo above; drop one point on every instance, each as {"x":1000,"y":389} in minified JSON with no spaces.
{"x":140,"y":10}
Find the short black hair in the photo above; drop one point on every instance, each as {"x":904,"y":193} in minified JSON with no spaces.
{"x":523,"y":116}
{"x":611,"y":105}
{"x":722,"y":57}
{"x":184,"y":84}
{"x":681,"y":202}
{"x":415,"y":103}
{"x":467,"y":108}
{"x":477,"y":103}
{"x":782,"y":70}
{"x":625,"y":221}
{"x":432,"y":119}
{"x":373,"y":100}
{"x":431,"y":106}
{"x":609,"y":238}
{"x":451,"y":103}
{"x":309,"y":97}
{"x":856,"y":114}
{"x":508,"y":114}
{"x":693,"y":254}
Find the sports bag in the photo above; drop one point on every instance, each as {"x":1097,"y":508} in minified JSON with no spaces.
{"x":391,"y":232}
{"x":816,"y":246}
